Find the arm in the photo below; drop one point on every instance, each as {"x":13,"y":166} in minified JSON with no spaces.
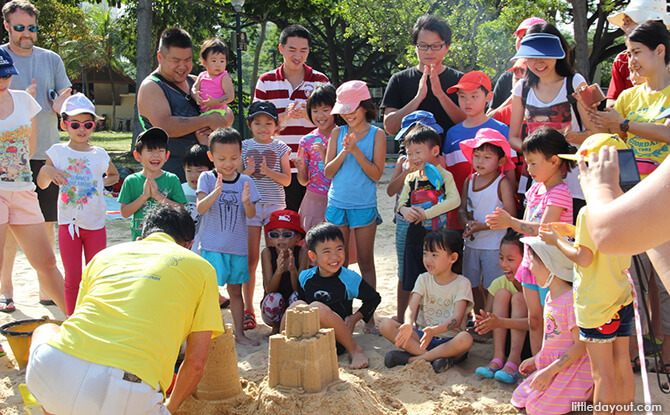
{"x":48,"y":173}
{"x":152,"y":104}
{"x":463,"y":209}
{"x":457,"y":319}
{"x":249,"y":206}
{"x":398,"y":178}
{"x":112,"y":175}
{"x":304,"y":264}
{"x":32,"y":138}
{"x":191,"y":370}
{"x":450,"y":107}
{"x":370,"y":299}
{"x":334,"y":159}
{"x":393,"y":116}
{"x":516,"y":122}
{"x":651,"y":131}
{"x":501,"y":219}
{"x":228,"y":89}
{"x":282,"y":177}
{"x":579,"y":254}
{"x":543,"y":377}
{"x":195,"y":90}
{"x":406,"y":329}
{"x":506,"y":189}
{"x":486,"y":322}
{"x":300,"y":163}
{"x":128,"y":209}
{"x":271,"y":280}
{"x":57,"y":104}
{"x":375,"y":168}
{"x":452,"y":198}
{"x":205,"y":201}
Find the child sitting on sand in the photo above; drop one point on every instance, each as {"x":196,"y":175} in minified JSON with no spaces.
{"x":331,"y":288}
{"x":281,"y":261}
{"x":440,"y":301}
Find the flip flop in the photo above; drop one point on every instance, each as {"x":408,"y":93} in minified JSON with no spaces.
{"x":9,"y":306}
{"x":47,"y":302}
{"x":249,"y":322}
{"x":225,"y":303}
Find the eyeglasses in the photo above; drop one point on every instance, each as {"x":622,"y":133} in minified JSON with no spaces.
{"x":21,"y":28}
{"x":423,"y":47}
{"x":282,"y":234}
{"x":75,"y":125}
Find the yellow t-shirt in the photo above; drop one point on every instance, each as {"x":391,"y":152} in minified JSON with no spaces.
{"x":137,"y":303}
{"x":602,"y":288}
{"x":502,"y":282}
{"x":637,"y":104}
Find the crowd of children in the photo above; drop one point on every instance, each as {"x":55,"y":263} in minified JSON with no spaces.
{"x":462,"y":259}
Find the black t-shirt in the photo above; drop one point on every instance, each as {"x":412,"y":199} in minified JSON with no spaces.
{"x":402,"y":88}
{"x":503,"y":89}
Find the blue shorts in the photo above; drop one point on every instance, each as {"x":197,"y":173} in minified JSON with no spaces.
{"x":620,"y":325}
{"x":435,"y":341}
{"x":230,"y":269}
{"x":543,"y":291}
{"x":353,"y":218}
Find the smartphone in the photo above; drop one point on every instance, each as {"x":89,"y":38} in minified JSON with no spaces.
{"x":592,"y":94}
{"x":629,"y":175}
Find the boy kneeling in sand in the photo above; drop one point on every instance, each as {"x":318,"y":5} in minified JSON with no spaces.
{"x":331,"y":288}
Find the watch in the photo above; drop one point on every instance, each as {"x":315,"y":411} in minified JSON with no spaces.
{"x":624,"y":126}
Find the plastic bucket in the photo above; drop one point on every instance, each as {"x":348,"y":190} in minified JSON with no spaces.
{"x":18,"y":334}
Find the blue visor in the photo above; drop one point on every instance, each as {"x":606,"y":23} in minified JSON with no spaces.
{"x":540,"y":45}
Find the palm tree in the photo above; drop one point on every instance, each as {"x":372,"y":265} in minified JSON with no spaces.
{"x":102,"y":50}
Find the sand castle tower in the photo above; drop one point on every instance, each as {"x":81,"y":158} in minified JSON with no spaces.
{"x":303,"y":355}
{"x":221,"y":379}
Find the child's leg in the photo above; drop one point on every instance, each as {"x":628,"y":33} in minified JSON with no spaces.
{"x":501,"y":306}
{"x":70,"y":253}
{"x":623,"y":373}
{"x":253,"y":245}
{"x":94,"y":242}
{"x":534,"y":306}
{"x":602,"y":370}
{"x":346,"y":233}
{"x":35,"y":244}
{"x":455,"y":347}
{"x":389,"y":329}
{"x":365,"y":242}
{"x":517,"y":337}
{"x":237,"y":310}
{"x":402,"y":296}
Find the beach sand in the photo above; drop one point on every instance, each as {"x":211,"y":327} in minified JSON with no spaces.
{"x":413,"y":389}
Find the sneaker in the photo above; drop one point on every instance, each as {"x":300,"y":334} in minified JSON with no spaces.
{"x":396,"y":357}
{"x":442,"y":364}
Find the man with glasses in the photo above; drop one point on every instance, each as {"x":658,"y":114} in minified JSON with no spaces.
{"x":423,"y":87}
{"x":42,"y":74}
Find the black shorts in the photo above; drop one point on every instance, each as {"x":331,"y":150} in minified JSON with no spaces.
{"x":48,"y":197}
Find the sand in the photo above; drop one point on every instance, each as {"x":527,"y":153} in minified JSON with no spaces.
{"x":413,"y":389}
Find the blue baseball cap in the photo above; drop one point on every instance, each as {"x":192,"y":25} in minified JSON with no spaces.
{"x":540,"y":45}
{"x":417,"y":117}
{"x":6,"y":64}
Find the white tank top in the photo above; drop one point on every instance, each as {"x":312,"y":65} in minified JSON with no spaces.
{"x":481,"y":203}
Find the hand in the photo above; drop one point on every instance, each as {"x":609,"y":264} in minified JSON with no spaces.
{"x":264,"y":169}
{"x":349,"y":143}
{"x":32,"y":88}
{"x":58,"y":102}
{"x":435,"y":84}
{"x":609,"y":118}
{"x":155,"y":191}
{"x":215,"y":120}
{"x":412,"y":214}
{"x":350,"y":321}
{"x":246,"y":193}
{"x":202,"y":135}
{"x":580,"y":99}
{"x":195,"y":93}
{"x":56,"y":176}
{"x":602,"y":172}
{"x":499,"y":219}
{"x":291,"y":262}
{"x":282,"y":263}
{"x":527,"y":366}
{"x":423,"y":84}
{"x":404,"y":334}
{"x":251,"y":166}
{"x":564,"y":229}
{"x":474,"y":226}
{"x":321,"y":149}
{"x":548,"y":235}
{"x":428,"y":334}
{"x":296,"y":110}
{"x":299,"y":161}
{"x":486,"y":322}
{"x":542,"y":379}
{"x":210,"y":102}
{"x":146,"y":188}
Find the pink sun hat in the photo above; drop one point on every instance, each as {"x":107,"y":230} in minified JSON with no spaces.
{"x":491,"y":136}
{"x":526,"y":24}
{"x":349,"y":96}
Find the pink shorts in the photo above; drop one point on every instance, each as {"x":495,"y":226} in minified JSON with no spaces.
{"x":20,"y":208}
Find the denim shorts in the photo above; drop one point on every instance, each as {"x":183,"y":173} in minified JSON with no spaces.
{"x":620,"y":325}
{"x":353,"y":218}
{"x":230,"y":269}
{"x":435,"y":341}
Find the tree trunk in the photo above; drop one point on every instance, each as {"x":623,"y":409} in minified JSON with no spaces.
{"x":579,"y":14}
{"x":144,"y":53}
{"x":111,"y":81}
{"x":257,"y":57}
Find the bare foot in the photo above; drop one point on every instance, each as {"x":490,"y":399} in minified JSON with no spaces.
{"x":242,"y":339}
{"x":359,"y":360}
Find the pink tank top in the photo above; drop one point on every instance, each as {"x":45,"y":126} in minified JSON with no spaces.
{"x":211,"y":87}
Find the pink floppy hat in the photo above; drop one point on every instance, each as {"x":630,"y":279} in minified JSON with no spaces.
{"x":526,"y":24}
{"x":491,"y":136}
{"x":349,"y":96}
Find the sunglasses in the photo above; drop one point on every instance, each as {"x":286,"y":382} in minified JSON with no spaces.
{"x":21,"y":28}
{"x":75,"y":125}
{"x":5,"y":77}
{"x":282,"y":234}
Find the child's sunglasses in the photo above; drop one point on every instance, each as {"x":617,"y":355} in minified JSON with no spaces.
{"x":75,"y":125}
{"x":21,"y":28}
{"x":283,"y":234}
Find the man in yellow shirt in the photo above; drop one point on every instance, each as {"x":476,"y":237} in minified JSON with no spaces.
{"x":137,"y":303}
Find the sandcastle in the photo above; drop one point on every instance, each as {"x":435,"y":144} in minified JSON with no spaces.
{"x":221,"y":379}
{"x":303,"y":355}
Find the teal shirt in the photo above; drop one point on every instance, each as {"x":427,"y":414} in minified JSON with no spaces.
{"x":133,"y":186}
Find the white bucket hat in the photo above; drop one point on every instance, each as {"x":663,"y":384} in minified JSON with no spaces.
{"x":556,"y":262}
{"x":642,"y":10}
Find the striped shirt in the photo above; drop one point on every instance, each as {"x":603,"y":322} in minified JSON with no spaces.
{"x":270,"y":191}
{"x":274,"y":87}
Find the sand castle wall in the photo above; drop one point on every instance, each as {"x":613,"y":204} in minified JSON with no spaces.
{"x":221,"y":379}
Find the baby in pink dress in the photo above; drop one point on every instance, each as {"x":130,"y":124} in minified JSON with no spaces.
{"x":213,"y":89}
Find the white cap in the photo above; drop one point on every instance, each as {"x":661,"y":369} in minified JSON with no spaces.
{"x":78,"y":104}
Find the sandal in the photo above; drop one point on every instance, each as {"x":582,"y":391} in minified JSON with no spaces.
{"x":7,"y":305}
{"x":249,"y":322}
{"x":635,"y":364}
{"x":441,"y":364}
{"x":505,"y":377}
{"x":488,"y":372}
{"x":372,"y":330}
{"x":396,"y":357}
{"x":225,"y":303}
{"x":665,"y":369}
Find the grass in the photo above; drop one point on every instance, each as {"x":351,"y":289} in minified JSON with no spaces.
{"x":117,"y":144}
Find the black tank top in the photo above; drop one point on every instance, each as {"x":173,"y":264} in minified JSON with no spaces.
{"x":285,"y":287}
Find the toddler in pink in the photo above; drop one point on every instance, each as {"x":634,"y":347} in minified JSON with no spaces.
{"x":213,"y":89}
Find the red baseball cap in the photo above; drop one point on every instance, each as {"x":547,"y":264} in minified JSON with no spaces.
{"x":286,"y":219}
{"x":471,"y":81}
